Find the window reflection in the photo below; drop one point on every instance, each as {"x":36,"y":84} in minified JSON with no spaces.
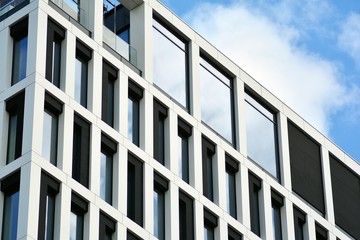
{"x":19,"y":59}
{"x":170,"y":63}
{"x":261,"y":136}
{"x":159,"y":214}
{"x":49,"y":146}
{"x":81,"y":81}
{"x":106,"y":169}
{"x":10,"y":221}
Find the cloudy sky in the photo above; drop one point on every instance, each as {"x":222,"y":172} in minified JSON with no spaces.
{"x":306,"y":52}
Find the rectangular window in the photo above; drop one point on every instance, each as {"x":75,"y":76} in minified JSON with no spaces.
{"x":83,"y":56}
{"x":52,"y":110}
{"x":117,"y":19}
{"x":81,"y":147}
{"x":79,"y":208}
{"x":135,"y":190}
{"x":261,"y":133}
{"x":217,"y":100}
{"x":170,"y":58}
{"x":208,"y":152}
{"x":299,"y":223}
{"x":276,"y":203}
{"x":254,"y":188}
{"x":107,"y":227}
{"x":135,"y":94}
{"x":132,"y":236}
{"x":233,"y":234}
{"x":49,"y":188}
{"x":210,"y":223}
{"x":184,"y":133}
{"x":19,"y":33}
{"x":160,"y":188}
{"x":108,"y":149}
{"x":231,"y":167}
{"x":186,"y":217}
{"x":55,"y":36}
{"x":160,"y":114}
{"x":110,"y":75}
{"x":15,"y":108}
{"x":10,"y":187}
{"x":321,"y":232}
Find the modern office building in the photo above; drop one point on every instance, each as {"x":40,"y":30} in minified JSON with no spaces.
{"x":119,"y":121}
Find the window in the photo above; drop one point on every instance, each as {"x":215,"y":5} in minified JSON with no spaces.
{"x":208,"y":152}
{"x":321,"y":232}
{"x":19,"y":32}
{"x":10,"y":187}
{"x":55,"y":36}
{"x":217,"y":100}
{"x":132,"y":236}
{"x":15,"y":108}
{"x":52,"y":110}
{"x":108,"y":149}
{"x":135,"y":94}
{"x":160,"y":114}
{"x":107,"y":227}
{"x":81,"y":146}
{"x":110,"y":74}
{"x":231,"y":167}
{"x":79,"y":208}
{"x":83,"y":56}
{"x":254,"y":188}
{"x":305,"y":166}
{"x":184,"y":133}
{"x":186,"y":217}
{"x":48,"y":190}
{"x":233,"y":234}
{"x":160,"y":188}
{"x":117,"y":19}
{"x":135,"y":190}
{"x":276,"y":204}
{"x":210,"y":223}
{"x":170,"y":55}
{"x":299,"y":223}
{"x":261,"y":133}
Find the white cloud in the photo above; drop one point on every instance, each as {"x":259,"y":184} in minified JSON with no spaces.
{"x":269,"y":50}
{"x":349,"y":37}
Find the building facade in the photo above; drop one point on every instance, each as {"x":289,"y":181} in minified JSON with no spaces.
{"x":118,"y":121}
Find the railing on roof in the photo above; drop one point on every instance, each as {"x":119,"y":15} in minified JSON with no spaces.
{"x":6,"y":6}
{"x":78,"y":10}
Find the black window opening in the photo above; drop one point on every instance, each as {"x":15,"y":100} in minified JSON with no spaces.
{"x":277,"y":201}
{"x":108,"y":149}
{"x":52,"y":109}
{"x":117,"y":19}
{"x":83,"y":56}
{"x":231,"y":168}
{"x":208,"y":153}
{"x":233,"y":234}
{"x":160,"y":115}
{"x":10,"y":186}
{"x":299,"y":223}
{"x":107,"y":226}
{"x":321,"y":232}
{"x":135,"y":94}
{"x":170,"y":61}
{"x":49,"y":188}
{"x":110,"y":75}
{"x":135,"y":190}
{"x":15,"y":109}
{"x":19,"y":33}
{"x":254,"y":189}
{"x":160,"y":188}
{"x":81,"y":147}
{"x":55,"y":36}
{"x":132,"y":236}
{"x":184,"y":134}
{"x":210,"y":223}
{"x":186,"y":217}
{"x":306,"y":169}
{"x":262,"y":137}
{"x":79,"y":208}
{"x":346,"y":196}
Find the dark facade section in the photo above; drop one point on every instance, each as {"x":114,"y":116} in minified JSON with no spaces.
{"x":346,"y":196}
{"x":305,"y":163}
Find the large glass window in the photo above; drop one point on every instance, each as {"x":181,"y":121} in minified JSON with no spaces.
{"x":261,"y":132}
{"x":79,"y":207}
{"x":210,"y":223}
{"x":254,"y":188}
{"x":15,"y":108}
{"x":160,"y":188}
{"x":170,"y":63}
{"x":184,"y":133}
{"x":83,"y":55}
{"x":10,"y":187}
{"x":217,"y":100}
{"x":231,"y":167}
{"x":160,"y":115}
{"x":186,"y":217}
{"x":19,"y":32}
{"x":276,"y":203}
{"x":110,"y":74}
{"x":135,"y":94}
{"x":135,"y":190}
{"x":208,"y":152}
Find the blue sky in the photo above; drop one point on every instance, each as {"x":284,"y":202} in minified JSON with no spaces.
{"x":306,"y":52}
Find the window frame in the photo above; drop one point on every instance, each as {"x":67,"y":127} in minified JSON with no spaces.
{"x":321,"y":232}
{"x":233,"y":234}
{"x":254,"y":190}
{"x":161,"y":185}
{"x":135,"y":94}
{"x":210,"y":222}
{"x":160,"y":113}
{"x":208,"y":154}
{"x":135,"y":212}
{"x":184,"y":133}
{"x":107,"y":225}
{"x":79,"y":207}
{"x":83,"y":55}
{"x":231,"y":168}
{"x":186,"y":216}
{"x":299,"y":223}
{"x":109,"y":77}
{"x":277,"y":202}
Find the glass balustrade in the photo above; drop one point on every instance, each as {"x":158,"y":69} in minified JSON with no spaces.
{"x":7,"y":5}
{"x":76,"y":9}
